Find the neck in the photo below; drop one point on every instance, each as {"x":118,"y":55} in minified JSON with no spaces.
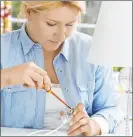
{"x":50,"y":55}
{"x":30,"y":34}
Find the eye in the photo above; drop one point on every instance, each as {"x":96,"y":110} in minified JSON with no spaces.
{"x":50,"y":24}
{"x":69,"y":25}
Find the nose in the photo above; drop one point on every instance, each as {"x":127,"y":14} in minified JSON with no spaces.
{"x":60,"y":33}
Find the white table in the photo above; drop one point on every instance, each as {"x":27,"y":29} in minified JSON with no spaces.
{"x":23,"y":132}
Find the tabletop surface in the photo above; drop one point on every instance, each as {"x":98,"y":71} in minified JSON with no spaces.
{"x":23,"y":132}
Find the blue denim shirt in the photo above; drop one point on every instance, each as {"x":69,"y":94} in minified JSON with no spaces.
{"x":79,"y":80}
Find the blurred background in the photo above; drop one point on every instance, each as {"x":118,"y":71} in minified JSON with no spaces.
{"x":10,"y":10}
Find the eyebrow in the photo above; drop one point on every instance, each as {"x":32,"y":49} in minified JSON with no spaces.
{"x":59,"y":22}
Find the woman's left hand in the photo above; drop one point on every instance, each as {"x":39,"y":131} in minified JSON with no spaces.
{"x":81,"y":123}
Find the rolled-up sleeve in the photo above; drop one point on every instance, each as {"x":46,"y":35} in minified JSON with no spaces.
{"x":106,"y":97}
{"x":103,"y":124}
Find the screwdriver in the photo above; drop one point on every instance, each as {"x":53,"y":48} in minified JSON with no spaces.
{"x":50,"y":91}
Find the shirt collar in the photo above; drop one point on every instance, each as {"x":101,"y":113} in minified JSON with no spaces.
{"x":65,"y":49}
{"x":27,"y":43}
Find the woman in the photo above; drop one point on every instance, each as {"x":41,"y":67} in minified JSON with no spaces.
{"x":47,"y":50}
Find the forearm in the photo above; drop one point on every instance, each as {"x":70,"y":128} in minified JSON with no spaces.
{"x":112,"y":115}
{"x":5,"y":81}
{"x":106,"y":98}
{"x":103,"y":124}
{"x":93,"y":129}
{"x":96,"y":129}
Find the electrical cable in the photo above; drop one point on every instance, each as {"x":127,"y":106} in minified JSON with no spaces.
{"x":50,"y":131}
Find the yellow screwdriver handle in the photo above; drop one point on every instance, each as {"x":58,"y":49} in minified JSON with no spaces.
{"x":49,"y":91}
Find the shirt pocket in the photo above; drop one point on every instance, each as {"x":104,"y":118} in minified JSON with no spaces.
{"x":23,"y":106}
{"x":86,"y":91}
{"x":9,"y":91}
{"x":6,"y":97}
{"x":17,"y":97}
{"x":14,"y":89}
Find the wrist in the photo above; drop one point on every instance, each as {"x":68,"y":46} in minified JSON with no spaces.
{"x":93,"y":129}
{"x":96,"y":130}
{"x":5,"y":77}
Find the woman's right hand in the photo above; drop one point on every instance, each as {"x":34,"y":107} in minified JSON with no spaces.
{"x":30,"y":75}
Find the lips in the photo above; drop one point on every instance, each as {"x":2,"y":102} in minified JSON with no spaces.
{"x":56,"y":42}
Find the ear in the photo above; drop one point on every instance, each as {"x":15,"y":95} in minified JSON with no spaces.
{"x":28,"y":13}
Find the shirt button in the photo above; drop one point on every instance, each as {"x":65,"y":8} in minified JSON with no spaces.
{"x":59,"y":70}
{"x":66,"y":89}
{"x":9,"y":89}
{"x":57,"y":58}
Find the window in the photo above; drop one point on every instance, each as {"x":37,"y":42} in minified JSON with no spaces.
{"x":89,"y":19}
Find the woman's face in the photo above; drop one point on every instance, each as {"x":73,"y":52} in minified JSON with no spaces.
{"x":51,"y":28}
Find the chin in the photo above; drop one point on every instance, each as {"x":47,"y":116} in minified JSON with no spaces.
{"x":51,"y":47}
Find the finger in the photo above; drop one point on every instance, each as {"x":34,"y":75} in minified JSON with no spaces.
{"x":37,"y":87}
{"x":42,"y":72}
{"x":39,"y":70}
{"x":37,"y":78}
{"x":46,"y":86}
{"x":46,"y":79}
{"x":82,"y":122}
{"x":77,"y":117}
{"x":78,"y":108}
{"x":47,"y":83}
{"x":28,"y":82}
{"x":26,"y":85}
{"x":79,"y":130}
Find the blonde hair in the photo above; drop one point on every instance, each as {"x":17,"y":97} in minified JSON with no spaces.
{"x":49,"y":5}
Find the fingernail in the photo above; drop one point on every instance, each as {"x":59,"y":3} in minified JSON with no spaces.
{"x":71,"y":123}
{"x":74,"y":113}
{"x":47,"y":88}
